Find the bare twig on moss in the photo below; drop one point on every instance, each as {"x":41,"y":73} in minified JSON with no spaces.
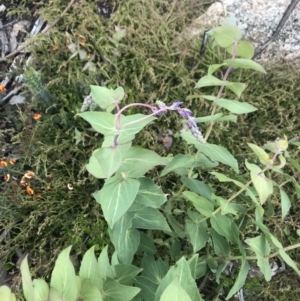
{"x":19,"y":49}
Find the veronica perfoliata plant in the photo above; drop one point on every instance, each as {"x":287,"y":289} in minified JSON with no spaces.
{"x":179,"y":239}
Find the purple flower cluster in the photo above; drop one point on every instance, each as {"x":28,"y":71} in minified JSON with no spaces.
{"x":185,"y":113}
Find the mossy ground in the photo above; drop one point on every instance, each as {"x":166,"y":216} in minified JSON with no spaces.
{"x":151,"y":63}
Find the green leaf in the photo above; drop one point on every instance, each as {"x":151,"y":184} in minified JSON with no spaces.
{"x":226,"y":207}
{"x":146,"y":244}
{"x":223,"y":178}
{"x":236,"y":88}
{"x":125,"y":273}
{"x":180,"y":271}
{"x":101,"y":122}
{"x":137,"y":161}
{"x":110,"y":160}
{"x":245,"y":50}
{"x":280,"y":144}
{"x":175,"y":226}
{"x":197,"y":235}
{"x":193,"y":262}
{"x":132,"y":124}
{"x":198,"y":187}
{"x":245,"y":64}
{"x":210,"y":80}
{"x":213,"y":68}
{"x":149,"y":195}
{"x":78,"y":136}
{"x":150,"y":218}
{"x":200,"y":203}
{"x":175,"y":292}
{"x":126,"y":239}
{"x":26,"y":280}
{"x":263,"y":185}
{"x":114,"y":291}
{"x":41,"y":290}
{"x":148,"y":288}
{"x":262,"y":249}
{"x":116,"y":197}
{"x":89,"y":268}
{"x":105,"y":97}
{"x":219,"y":154}
{"x":63,"y":277}
{"x":155,"y":270}
{"x":201,"y":267}
{"x":278,"y":246}
{"x":180,"y":164}
{"x":54,"y":295}
{"x":285,"y":203}
{"x":264,"y":158}
{"x":221,"y":246}
{"x":226,"y":35}
{"x":104,"y":266}
{"x":233,"y":106}
{"x":288,"y":260}
{"x":222,"y":224}
{"x":94,"y":167}
{"x":240,"y":280}
{"x":89,"y":292}
{"x":6,"y":294}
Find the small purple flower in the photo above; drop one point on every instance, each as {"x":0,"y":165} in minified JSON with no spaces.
{"x":176,"y":105}
{"x":186,"y":113}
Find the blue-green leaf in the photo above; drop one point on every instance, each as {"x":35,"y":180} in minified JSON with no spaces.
{"x":137,"y":161}
{"x":105,"y":97}
{"x":221,"y":246}
{"x":116,"y":197}
{"x":89,"y":268}
{"x":89,"y":292}
{"x":180,"y":271}
{"x":150,"y":218}
{"x":101,"y":122}
{"x":245,"y":64}
{"x":114,"y":291}
{"x":218,"y":153}
{"x":240,"y":280}
{"x":226,"y":35}
{"x":285,"y":203}
{"x":63,"y":277}
{"x":149,"y":195}
{"x":200,"y":203}
{"x":126,"y":239}
{"x":222,"y":224}
{"x":262,"y":249}
{"x":104,"y":266}
{"x":175,"y":292}
{"x":197,"y":234}
{"x":245,"y":50}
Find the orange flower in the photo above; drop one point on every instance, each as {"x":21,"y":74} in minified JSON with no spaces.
{"x":29,"y":190}
{"x":12,"y":161}
{"x":82,"y":42}
{"x":37,"y":116}
{"x":23,"y":182}
{"x":29,"y":174}
{"x":3,"y":163}
{"x":38,"y":196}
{"x":55,"y":48}
{"x":7,"y":177}
{"x":2,"y":88}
